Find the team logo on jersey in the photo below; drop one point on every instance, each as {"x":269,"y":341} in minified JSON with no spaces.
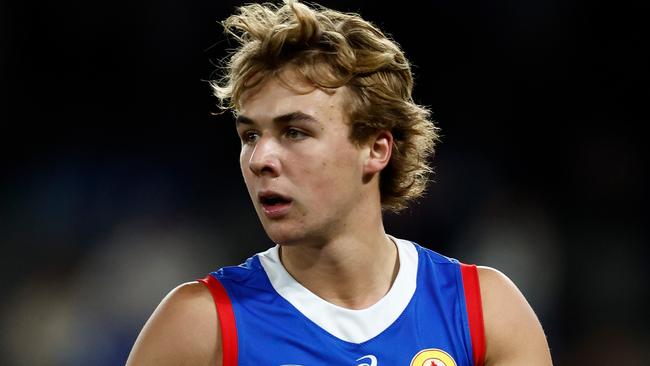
{"x":433,"y":357}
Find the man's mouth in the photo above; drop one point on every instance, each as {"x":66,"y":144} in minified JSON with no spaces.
{"x":274,"y":205}
{"x":273,"y":200}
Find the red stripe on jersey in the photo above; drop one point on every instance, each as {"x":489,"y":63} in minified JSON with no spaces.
{"x":226,"y":319}
{"x":474,"y":311}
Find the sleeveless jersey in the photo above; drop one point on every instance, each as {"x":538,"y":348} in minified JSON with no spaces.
{"x":431,"y":316}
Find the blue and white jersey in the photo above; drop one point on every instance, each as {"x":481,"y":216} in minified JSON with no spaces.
{"x":431,"y":316}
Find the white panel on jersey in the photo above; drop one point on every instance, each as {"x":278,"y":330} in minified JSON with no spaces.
{"x":355,"y":326}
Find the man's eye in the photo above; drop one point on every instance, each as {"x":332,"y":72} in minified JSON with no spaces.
{"x":249,"y":137}
{"x":295,"y":134}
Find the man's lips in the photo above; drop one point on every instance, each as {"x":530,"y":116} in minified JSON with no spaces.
{"x":275,"y":205}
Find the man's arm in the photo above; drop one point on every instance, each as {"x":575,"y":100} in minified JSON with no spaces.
{"x":513,"y":334}
{"x":183,"y":330}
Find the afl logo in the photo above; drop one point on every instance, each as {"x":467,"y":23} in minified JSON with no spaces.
{"x":433,"y":357}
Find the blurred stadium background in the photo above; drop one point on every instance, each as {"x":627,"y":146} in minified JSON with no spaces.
{"x":118,"y":183}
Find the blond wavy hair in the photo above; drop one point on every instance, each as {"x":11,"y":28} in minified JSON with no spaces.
{"x":331,"y":49}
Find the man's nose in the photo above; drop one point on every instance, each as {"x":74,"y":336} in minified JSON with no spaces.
{"x":265,"y":157}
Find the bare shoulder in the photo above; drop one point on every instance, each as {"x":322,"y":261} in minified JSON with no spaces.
{"x":183,"y":330}
{"x":514,"y":335}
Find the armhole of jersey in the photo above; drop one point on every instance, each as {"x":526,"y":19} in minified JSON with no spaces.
{"x":474,"y":311}
{"x":226,"y":319}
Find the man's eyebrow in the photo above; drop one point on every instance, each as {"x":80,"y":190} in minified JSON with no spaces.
{"x":294,"y":116}
{"x":243,"y":120}
{"x":282,"y":119}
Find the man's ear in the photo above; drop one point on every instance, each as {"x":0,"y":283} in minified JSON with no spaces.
{"x":380,"y":149}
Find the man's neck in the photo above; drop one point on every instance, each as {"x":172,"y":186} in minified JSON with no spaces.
{"x":349,"y":271}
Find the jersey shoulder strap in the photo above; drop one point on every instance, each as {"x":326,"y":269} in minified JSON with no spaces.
{"x":474,"y":307}
{"x":226,"y":319}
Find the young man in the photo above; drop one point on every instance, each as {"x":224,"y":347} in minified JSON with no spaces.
{"x":330,"y":138}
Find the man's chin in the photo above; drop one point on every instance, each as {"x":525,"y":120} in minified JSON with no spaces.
{"x":283,"y":239}
{"x":283,"y":235}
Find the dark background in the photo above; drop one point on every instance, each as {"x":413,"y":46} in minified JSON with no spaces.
{"x":118,"y":182}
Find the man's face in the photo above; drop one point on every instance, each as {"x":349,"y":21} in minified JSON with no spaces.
{"x":302,"y":172}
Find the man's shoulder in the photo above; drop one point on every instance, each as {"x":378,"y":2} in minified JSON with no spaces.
{"x":504,"y":306}
{"x":183,"y":327}
{"x":189,"y":292}
{"x":512,"y":330}
{"x":190,"y":300}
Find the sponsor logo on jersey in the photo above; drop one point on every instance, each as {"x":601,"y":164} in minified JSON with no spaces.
{"x":433,"y":357}
{"x":371,"y":358}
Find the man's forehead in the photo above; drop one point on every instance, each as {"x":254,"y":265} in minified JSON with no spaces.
{"x":274,"y":101}
{"x":288,"y":77}
{"x":277,"y":85}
